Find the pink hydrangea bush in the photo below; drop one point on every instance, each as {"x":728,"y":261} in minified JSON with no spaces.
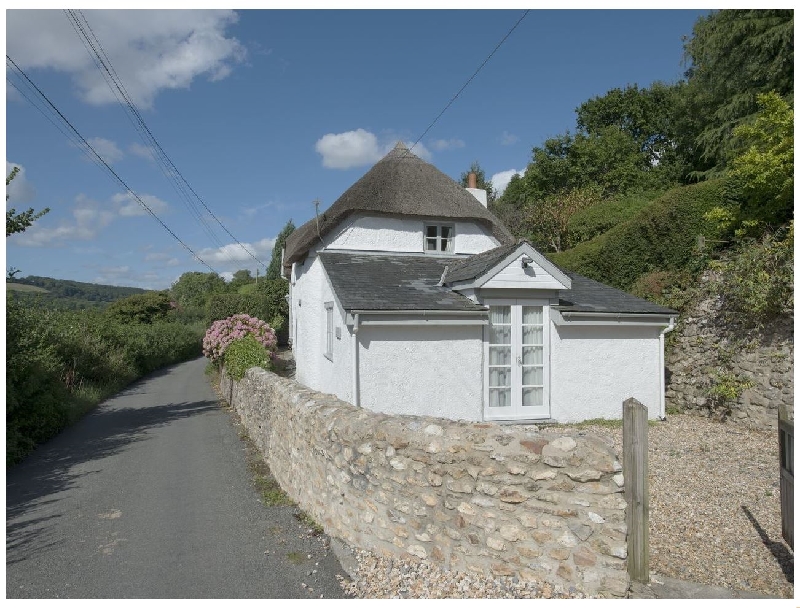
{"x":223,"y":332}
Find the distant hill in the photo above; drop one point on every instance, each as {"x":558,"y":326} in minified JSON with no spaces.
{"x":65,"y":294}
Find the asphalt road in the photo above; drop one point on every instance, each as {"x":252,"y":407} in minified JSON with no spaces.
{"x":150,"y":496}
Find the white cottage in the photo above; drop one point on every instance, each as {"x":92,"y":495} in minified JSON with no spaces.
{"x":409,"y":297}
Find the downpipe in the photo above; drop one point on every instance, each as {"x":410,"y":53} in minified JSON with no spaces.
{"x":662,"y":375}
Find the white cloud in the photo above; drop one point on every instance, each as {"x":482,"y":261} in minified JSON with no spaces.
{"x":447,"y":144}
{"x":107,"y":149}
{"x":508,"y":139}
{"x":228,"y":276}
{"x":151,"y":50}
{"x":88,"y":219}
{"x":165,"y":258}
{"x":20,"y":189}
{"x":347,"y":150}
{"x":500,"y":180}
{"x":234,"y":253}
{"x":128,"y":206}
{"x":145,"y":152}
{"x":359,"y":148}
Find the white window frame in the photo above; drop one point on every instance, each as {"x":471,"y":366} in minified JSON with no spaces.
{"x":516,"y":411}
{"x":328,"y":331}
{"x":451,"y":241}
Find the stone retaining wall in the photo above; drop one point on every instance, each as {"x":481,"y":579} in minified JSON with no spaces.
{"x":466,"y":496}
{"x":703,"y":348}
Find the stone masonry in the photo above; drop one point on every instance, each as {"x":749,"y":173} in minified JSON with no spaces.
{"x":467,"y":496}
{"x":703,"y":348}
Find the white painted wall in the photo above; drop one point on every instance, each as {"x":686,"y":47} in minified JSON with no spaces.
{"x":593,"y":369}
{"x":514,"y":276}
{"x":310,"y":291}
{"x":394,"y":234}
{"x":426,"y":371}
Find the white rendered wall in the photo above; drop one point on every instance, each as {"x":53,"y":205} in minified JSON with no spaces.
{"x":310,"y":291}
{"x":423,"y":371}
{"x":593,"y":369}
{"x":394,"y":234}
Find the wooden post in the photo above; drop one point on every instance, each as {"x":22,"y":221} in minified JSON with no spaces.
{"x":634,"y":468}
{"x":786,"y":446}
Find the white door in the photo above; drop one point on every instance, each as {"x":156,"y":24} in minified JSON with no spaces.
{"x":516,"y":379}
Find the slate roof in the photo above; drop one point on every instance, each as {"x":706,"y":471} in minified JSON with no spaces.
{"x":587,"y":295}
{"x":400,"y":184}
{"x":476,"y":265}
{"x":392,"y":282}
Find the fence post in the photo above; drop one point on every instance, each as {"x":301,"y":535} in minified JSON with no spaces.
{"x":786,"y":447}
{"x":634,"y":467}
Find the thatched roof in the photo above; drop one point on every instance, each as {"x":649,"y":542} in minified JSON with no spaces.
{"x":400,"y":184}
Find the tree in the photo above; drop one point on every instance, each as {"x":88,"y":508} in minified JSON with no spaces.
{"x":141,"y":308}
{"x":274,"y":269}
{"x":240,"y":278}
{"x":547,"y":219}
{"x":19,"y":222}
{"x":480,"y":181}
{"x":193,"y":288}
{"x":733,"y":55}
{"x":764,"y":170}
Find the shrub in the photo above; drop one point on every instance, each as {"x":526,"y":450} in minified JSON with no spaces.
{"x":265,"y":300}
{"x":141,"y":308}
{"x":223,"y":332}
{"x":758,"y":280}
{"x":663,"y":236}
{"x":244,"y":353}
{"x":601,"y":217}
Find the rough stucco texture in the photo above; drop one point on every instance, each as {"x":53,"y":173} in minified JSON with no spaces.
{"x":420,"y":370}
{"x":594,"y":369}
{"x":387,"y":234}
{"x":471,"y":497}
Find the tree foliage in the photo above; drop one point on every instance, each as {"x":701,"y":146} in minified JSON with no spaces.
{"x":194,"y":288}
{"x":19,"y":222}
{"x":733,"y":55}
{"x":141,"y":308}
{"x":274,"y":269}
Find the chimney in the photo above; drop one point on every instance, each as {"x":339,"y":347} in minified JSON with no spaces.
{"x":478,"y":193}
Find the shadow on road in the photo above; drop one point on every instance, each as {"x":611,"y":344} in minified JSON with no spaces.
{"x":57,"y":465}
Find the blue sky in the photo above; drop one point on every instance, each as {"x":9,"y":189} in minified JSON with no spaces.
{"x":265,"y":111}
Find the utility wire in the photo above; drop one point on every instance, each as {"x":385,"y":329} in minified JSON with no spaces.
{"x":466,"y":84}
{"x":103,"y":62}
{"x":87,"y":146}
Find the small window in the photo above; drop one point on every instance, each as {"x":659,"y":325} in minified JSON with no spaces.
{"x":329,"y":330}
{"x":439,"y":238}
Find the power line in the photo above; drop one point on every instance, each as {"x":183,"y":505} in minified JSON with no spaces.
{"x":103,"y":63}
{"x":480,"y":67}
{"x":87,"y":146}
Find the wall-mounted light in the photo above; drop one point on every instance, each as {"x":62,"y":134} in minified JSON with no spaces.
{"x":526,"y":261}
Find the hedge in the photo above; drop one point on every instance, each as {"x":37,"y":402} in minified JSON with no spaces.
{"x":663,"y":236}
{"x":267,"y":303}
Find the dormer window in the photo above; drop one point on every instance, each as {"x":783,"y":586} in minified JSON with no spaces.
{"x":439,"y":238}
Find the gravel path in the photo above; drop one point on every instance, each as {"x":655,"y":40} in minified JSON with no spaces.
{"x":714,"y":519}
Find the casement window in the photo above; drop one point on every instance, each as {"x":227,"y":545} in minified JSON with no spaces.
{"x":439,"y":238}
{"x":329,"y":330}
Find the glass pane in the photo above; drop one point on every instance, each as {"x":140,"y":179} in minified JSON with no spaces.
{"x":532,"y":355}
{"x":532,"y":396}
{"x":430,"y":244}
{"x":499,"y":355}
{"x":447,"y":232}
{"x":499,"y":376}
{"x":447,"y":245}
{"x":499,"y":314}
{"x":532,"y":335}
{"x":443,"y":245}
{"x":532,"y":376}
{"x":500,"y":335}
{"x":532,"y":315}
{"x":432,"y":231}
{"x":499,"y":397}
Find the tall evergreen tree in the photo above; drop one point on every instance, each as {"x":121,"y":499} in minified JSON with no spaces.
{"x":274,"y":269}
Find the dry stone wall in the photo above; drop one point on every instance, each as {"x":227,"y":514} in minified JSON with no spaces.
{"x":511,"y":501}
{"x":705,"y":351}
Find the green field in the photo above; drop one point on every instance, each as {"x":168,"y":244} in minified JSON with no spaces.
{"x":25,"y":288}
